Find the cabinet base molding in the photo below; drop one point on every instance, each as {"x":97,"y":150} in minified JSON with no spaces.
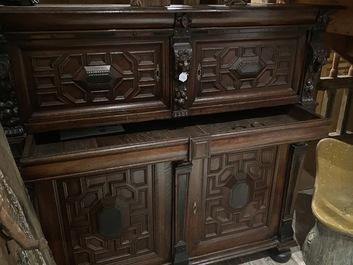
{"x":232,"y":253}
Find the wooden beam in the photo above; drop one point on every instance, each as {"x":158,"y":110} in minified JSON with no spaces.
{"x":341,"y":44}
{"x":328,"y":83}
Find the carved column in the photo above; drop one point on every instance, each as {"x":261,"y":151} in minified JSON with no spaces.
{"x":317,"y":56}
{"x":182,"y":63}
{"x":295,"y":167}
{"x":282,"y":252}
{"x":9,"y":118}
{"x":182,"y":174}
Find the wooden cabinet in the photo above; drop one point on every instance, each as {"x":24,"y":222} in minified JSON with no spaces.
{"x":203,"y":115}
{"x":217,"y":186}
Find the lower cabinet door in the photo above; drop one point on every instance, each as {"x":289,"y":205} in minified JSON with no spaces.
{"x":120,"y":217}
{"x":238,"y":200}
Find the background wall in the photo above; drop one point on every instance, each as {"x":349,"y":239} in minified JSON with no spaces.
{"x":342,"y":23}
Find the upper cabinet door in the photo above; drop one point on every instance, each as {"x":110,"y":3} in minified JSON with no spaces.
{"x":247,"y":68}
{"x":91,"y":78}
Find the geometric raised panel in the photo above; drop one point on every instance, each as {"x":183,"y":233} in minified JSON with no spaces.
{"x":94,"y":243}
{"x":235,"y":66}
{"x":111,"y":216}
{"x":240,"y":192}
{"x":73,"y":93}
{"x":126,"y":193}
{"x":110,"y":221}
{"x":93,"y":80}
{"x":237,"y":191}
{"x":248,"y":67}
{"x":116,"y":74}
{"x":99,"y":76}
{"x":71,"y":65}
{"x":44,"y":63}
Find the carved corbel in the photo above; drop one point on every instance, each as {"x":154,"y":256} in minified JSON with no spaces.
{"x":184,"y":20}
{"x":183,"y":57}
{"x":317,"y":57}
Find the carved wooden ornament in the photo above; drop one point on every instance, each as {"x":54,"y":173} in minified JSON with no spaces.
{"x":149,"y":3}
{"x":235,"y":2}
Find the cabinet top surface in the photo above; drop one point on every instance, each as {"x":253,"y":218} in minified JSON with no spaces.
{"x":118,"y":8}
{"x":84,"y":17}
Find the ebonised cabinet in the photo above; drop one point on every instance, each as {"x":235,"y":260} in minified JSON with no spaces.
{"x":209,"y":108}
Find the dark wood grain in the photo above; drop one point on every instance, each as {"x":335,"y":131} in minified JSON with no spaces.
{"x":215,"y":183}
{"x":57,"y":49}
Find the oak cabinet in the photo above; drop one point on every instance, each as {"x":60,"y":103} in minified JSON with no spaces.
{"x":165,"y":135}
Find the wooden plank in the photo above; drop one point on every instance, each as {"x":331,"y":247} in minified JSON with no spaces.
{"x":335,"y":83}
{"x":323,"y":2}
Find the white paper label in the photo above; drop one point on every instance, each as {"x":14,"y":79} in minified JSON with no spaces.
{"x":183,"y":77}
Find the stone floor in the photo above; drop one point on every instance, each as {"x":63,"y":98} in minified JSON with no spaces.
{"x":303,"y":222}
{"x":263,"y":259}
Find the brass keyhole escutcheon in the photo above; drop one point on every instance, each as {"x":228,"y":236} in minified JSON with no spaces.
{"x":157,"y":73}
{"x":194,"y":207}
{"x":199,"y":72}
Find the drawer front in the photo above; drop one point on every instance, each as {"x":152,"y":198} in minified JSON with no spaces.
{"x":87,"y":82}
{"x":115,"y":218}
{"x":236,"y":72}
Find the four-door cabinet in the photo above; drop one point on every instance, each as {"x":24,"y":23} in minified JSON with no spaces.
{"x":165,"y":135}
